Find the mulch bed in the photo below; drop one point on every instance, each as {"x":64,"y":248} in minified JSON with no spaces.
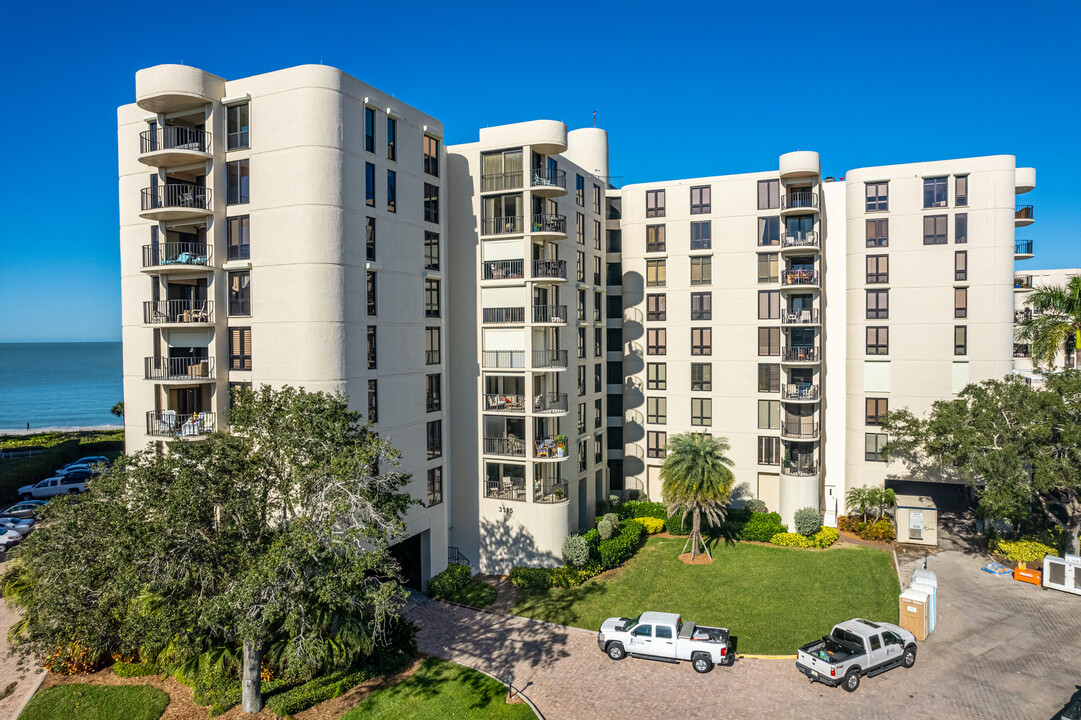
{"x":856,"y":540}
{"x":701,"y":559}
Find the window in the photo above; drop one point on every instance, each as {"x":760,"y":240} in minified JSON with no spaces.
{"x":435,"y":485}
{"x":701,"y":270}
{"x":234,"y":388}
{"x":960,"y":302}
{"x":238,"y":236}
{"x":431,"y":157}
{"x":878,"y":233}
{"x":240,"y":293}
{"x":769,"y":450}
{"x":432,"y":351}
{"x":435,"y":439}
{"x":878,"y":196}
{"x":431,"y":298}
{"x":960,"y":228}
{"x":872,"y":447}
{"x":701,"y":306}
{"x":615,"y":241}
{"x":582,"y":346}
{"x":769,"y":341}
{"x":934,"y":229}
{"x":598,"y":440}
{"x":701,"y":377}
{"x":701,"y":341}
{"x":878,"y":341}
{"x":614,"y":274}
{"x":581,"y":380}
{"x":769,"y":377}
{"x":615,"y":370}
{"x":596,"y":198}
{"x":656,"y":276}
{"x":582,"y":454}
{"x":876,"y":408}
{"x":431,"y":202}
{"x":371,"y":293}
{"x":701,"y":233}
{"x":656,"y":376}
{"x":431,"y":250}
{"x":237,"y":126}
{"x":369,"y":184}
{"x":596,"y":270}
{"x":960,"y":340}
{"x":878,"y":304}
{"x":614,"y":307}
{"x":392,"y":138}
{"x":934,"y":192}
{"x":597,"y":378}
{"x":373,"y":401}
{"x":372,"y":357}
{"x":596,"y":234}
{"x":654,"y":203}
{"x":392,"y":191}
{"x":960,"y":191}
{"x":767,"y":268}
{"x":876,"y":642}
{"x":598,"y":301}
{"x":656,"y":342}
{"x":701,"y":411}
{"x":769,"y":194}
{"x":655,"y":307}
{"x":580,"y":228}
{"x":369,"y":129}
{"x":597,"y":413}
{"x":878,"y":269}
{"x":237,"y":186}
{"x":769,"y":231}
{"x":654,"y":238}
{"x":598,"y":343}
{"x":240,"y":348}
{"x":657,"y":410}
{"x":655,"y":442}
{"x":769,"y":414}
{"x":769,"y":304}
{"x":580,"y":190}
{"x":581,"y":266}
{"x":960,"y":266}
{"x":433,"y":395}
{"x":700,"y":200}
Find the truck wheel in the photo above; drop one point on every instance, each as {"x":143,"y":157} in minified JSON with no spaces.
{"x":701,"y":663}
{"x":909,"y":658}
{"x":616,"y":651}
{"x":852,"y":680}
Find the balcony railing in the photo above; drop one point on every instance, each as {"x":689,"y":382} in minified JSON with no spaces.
{"x":503,"y":359}
{"x":176,"y":253}
{"x":164,"y":368}
{"x":501,"y":181}
{"x":1022,"y":282}
{"x":547,"y":448}
{"x":180,"y":195}
{"x":555,"y":269}
{"x":431,"y":357}
{"x":240,"y":306}
{"x":549,"y":313}
{"x":1022,"y":247}
{"x":1023,"y":212}
{"x":1020,"y":316}
{"x":550,"y":403}
{"x":512,"y":447}
{"x":544,"y":177}
{"x":546,"y":222}
{"x":550,"y":359}
{"x":505,"y":489}
{"x":1022,"y":350}
{"x":504,"y":316}
{"x":500,"y":403}
{"x":799,"y":391}
{"x":802,"y":316}
{"x":805,"y":430}
{"x":174,"y":137}
{"x":156,"y":312}
{"x":168,"y":423}
{"x":549,"y":492}
{"x":799,"y":200}
{"x":807,"y":239}
{"x":799,"y":354}
{"x":800,"y":468}
{"x":503,"y":270}
{"x":791,"y":278}
{"x":506,"y":225}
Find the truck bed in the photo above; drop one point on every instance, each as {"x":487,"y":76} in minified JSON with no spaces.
{"x":702,"y":633}
{"x":830,"y":650}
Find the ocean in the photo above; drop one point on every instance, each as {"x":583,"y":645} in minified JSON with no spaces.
{"x":60,"y":384}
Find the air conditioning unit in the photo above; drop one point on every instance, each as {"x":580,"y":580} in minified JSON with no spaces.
{"x":1063,"y":573}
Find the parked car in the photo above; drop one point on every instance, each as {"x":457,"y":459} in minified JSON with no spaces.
{"x":51,"y":487}
{"x":85,"y":463}
{"x":855,"y":648}
{"x":23,"y":526}
{"x":665,"y":637}
{"x":9,"y":539}
{"x":26,"y":508}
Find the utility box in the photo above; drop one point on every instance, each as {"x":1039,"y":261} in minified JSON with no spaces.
{"x":927,"y":581}
{"x":1063,"y":573}
{"x":915,"y":607}
{"x":917,"y":520}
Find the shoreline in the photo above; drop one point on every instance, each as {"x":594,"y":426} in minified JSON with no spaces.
{"x":15,"y":432}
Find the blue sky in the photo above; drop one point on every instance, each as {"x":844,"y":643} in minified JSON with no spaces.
{"x":683,"y":89}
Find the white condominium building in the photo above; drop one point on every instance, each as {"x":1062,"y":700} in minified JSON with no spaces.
{"x":1024,"y":282}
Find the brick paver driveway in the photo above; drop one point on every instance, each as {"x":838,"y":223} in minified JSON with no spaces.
{"x":1002,"y":650}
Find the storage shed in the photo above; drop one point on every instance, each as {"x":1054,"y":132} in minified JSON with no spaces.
{"x":917,"y":520}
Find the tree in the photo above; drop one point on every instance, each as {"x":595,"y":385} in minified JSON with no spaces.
{"x":859,"y":499}
{"x":882,"y":499}
{"x":1055,"y":324}
{"x":118,"y":409}
{"x":697,"y":481}
{"x":272,"y":536}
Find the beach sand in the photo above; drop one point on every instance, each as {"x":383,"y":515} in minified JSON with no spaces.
{"x":37,"y":430}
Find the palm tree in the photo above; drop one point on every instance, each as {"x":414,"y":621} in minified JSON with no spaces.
{"x":859,"y":499}
{"x":698,"y":480}
{"x":880,"y":499}
{"x":1055,"y":324}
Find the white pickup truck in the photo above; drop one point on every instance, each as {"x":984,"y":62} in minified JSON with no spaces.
{"x":665,"y":637}
{"x":855,"y":648}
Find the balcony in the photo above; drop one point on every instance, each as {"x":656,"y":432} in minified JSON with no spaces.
{"x":506,"y":446}
{"x":800,"y":468}
{"x":549,"y":492}
{"x":178,"y":312}
{"x":799,"y":202}
{"x":550,"y":359}
{"x":178,"y":201}
{"x":506,"y":404}
{"x":808,"y":279}
{"x":496,"y":182}
{"x":1020,"y":316}
{"x":503,"y":270}
{"x":800,"y":316}
{"x":549,"y":224}
{"x":177,"y":257}
{"x":503,"y":359}
{"x":1022,"y":250}
{"x":173,"y":145}
{"x":548,"y":183}
{"x":797,"y":430}
{"x":503,"y":316}
{"x":548,"y":449}
{"x":506,"y":225}
{"x":800,"y":354}
{"x":168,"y":424}
{"x":551,"y":314}
{"x":505,"y":489}
{"x":550,"y":404}
{"x":1022,"y":350}
{"x":549,"y":269}
{"x":180,"y":370}
{"x":1022,"y":216}
{"x":1022,"y":283}
{"x":795,"y":241}
{"x":799,"y":392}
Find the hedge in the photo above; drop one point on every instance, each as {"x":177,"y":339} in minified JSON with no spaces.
{"x":762,"y":527}
{"x":1023,"y":550}
{"x":622,"y":546}
{"x":821,"y":539}
{"x":642,"y":508}
{"x":604,"y":555}
{"x":880,"y":530}
{"x":652,"y":525}
{"x":450,"y":581}
{"x":134,"y":669}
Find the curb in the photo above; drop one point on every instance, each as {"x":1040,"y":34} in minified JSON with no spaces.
{"x":519,"y":693}
{"x":767,"y":657}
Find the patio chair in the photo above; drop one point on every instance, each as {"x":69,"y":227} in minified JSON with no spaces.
{"x":542,"y":450}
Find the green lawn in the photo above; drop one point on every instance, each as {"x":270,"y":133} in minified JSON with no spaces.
{"x":441,"y":689}
{"x":96,"y":702}
{"x":476,"y":594}
{"x":772,"y":599}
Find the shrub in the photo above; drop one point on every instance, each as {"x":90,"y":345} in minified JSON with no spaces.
{"x":604,"y":529}
{"x":315,"y":691}
{"x":1023,"y":550}
{"x":634,"y":494}
{"x":879,"y":531}
{"x":565,"y":577}
{"x":756,"y":506}
{"x":614,"y":501}
{"x":134,"y":669}
{"x":790,"y":539}
{"x":677,"y":525}
{"x":848,"y":524}
{"x":651,"y":524}
{"x":530,"y":578}
{"x":575,"y":551}
{"x":825,"y":537}
{"x":637,"y":508}
{"x":807,"y":520}
{"x":612,"y":518}
{"x":450,"y":581}
{"x":592,"y":537}
{"x":622,"y":546}
{"x":762,"y":527}
{"x":602,"y":507}
{"x":73,"y":659}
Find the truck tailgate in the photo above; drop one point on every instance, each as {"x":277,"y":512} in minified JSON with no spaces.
{"x":816,"y":664}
